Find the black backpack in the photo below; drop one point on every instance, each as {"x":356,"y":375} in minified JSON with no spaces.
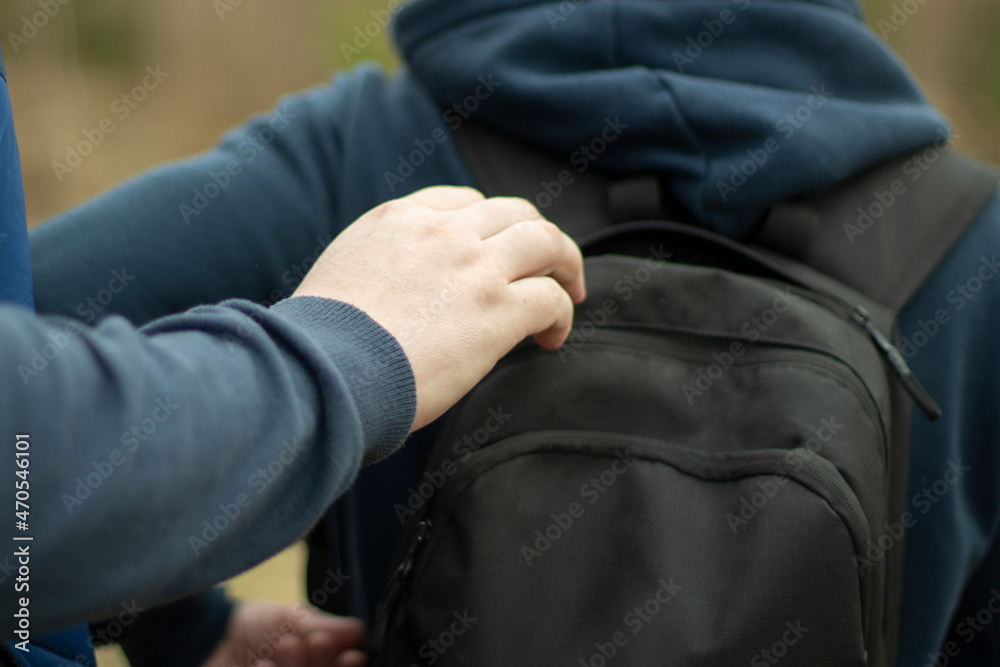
{"x":712,"y":469}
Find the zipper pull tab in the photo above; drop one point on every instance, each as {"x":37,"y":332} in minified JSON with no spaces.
{"x":395,"y":588}
{"x":927,"y":404}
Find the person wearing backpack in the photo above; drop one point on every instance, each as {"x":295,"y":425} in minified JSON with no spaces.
{"x":739,"y":108}
{"x":151,"y":463}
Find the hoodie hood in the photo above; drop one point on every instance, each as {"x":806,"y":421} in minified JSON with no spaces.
{"x":740,"y":103}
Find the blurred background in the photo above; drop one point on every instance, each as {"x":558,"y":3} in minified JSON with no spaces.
{"x":227,"y":59}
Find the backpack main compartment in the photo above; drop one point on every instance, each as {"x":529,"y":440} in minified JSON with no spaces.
{"x":699,"y":476}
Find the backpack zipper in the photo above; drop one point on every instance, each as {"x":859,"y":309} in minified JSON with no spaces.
{"x":855,"y":313}
{"x":806,"y":356}
{"x":397,"y":581}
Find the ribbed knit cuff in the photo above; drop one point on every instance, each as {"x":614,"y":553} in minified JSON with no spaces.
{"x":371,"y":361}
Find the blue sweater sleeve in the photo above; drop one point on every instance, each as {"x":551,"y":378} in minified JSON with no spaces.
{"x":244,"y":220}
{"x":166,"y":459}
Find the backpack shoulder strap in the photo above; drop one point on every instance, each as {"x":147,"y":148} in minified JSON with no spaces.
{"x":878,"y":232}
{"x":580,"y":200}
{"x":505,"y":167}
{"x":884,"y":230}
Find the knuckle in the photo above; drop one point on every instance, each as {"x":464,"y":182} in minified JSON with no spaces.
{"x":548,"y":232}
{"x":530,"y":210}
{"x":544,"y":301}
{"x":462,"y":193}
{"x":389,"y":209}
{"x":521,"y":209}
{"x":557,"y":298}
{"x":492,"y":293}
{"x":481,"y":255}
{"x":466,"y":189}
{"x":435,"y":227}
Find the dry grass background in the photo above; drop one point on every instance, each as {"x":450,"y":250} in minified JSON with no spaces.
{"x":64,"y":79}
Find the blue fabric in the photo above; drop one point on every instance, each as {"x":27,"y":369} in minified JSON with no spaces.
{"x":15,"y":267}
{"x":71,"y":647}
{"x":806,"y":75}
{"x":952,"y":562}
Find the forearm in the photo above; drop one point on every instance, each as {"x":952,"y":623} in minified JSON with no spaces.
{"x":168,"y":459}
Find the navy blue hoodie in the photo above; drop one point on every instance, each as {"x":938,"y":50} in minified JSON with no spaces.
{"x":692,"y":100}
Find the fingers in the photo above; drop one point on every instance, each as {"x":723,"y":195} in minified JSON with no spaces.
{"x":325,"y":647}
{"x":543,"y":309}
{"x":445,"y":197}
{"x":349,"y":632}
{"x":327,"y":636}
{"x":529,"y":244}
{"x":486,"y":216}
{"x":291,"y":651}
{"x":543,"y":265}
{"x":494,"y":215}
{"x":538,"y":248}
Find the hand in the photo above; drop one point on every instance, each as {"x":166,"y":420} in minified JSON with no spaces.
{"x":268,"y":634}
{"x":458,"y":280}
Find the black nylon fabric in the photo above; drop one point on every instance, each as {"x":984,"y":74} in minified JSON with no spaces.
{"x":887,"y":256}
{"x":753,"y":502}
{"x":691,"y":608}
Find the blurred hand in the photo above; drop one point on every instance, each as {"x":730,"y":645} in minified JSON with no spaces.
{"x":458,"y":280}
{"x":268,"y":634}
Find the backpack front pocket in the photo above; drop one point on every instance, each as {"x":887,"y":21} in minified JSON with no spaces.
{"x":639,"y":551}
